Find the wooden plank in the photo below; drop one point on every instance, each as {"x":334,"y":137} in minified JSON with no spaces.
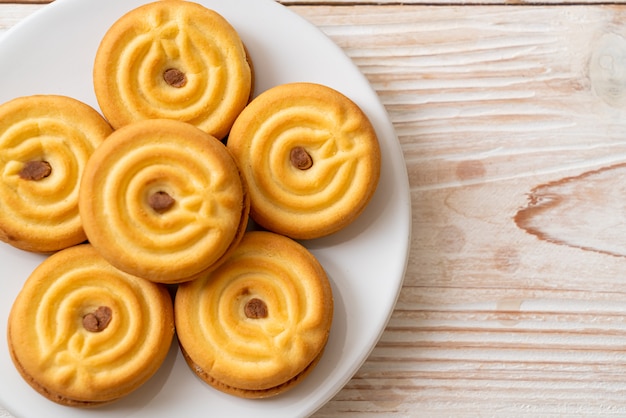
{"x":444,"y":3}
{"x":11,"y":14}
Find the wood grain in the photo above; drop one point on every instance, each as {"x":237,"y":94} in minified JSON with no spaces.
{"x":496,"y":108}
{"x":11,"y":14}
{"x":585,"y":211}
{"x":489,"y":103}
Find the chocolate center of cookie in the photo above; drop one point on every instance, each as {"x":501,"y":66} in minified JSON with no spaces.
{"x":300,"y":158}
{"x":161,"y":201}
{"x":255,"y":308}
{"x":98,"y":320}
{"x":35,"y":170}
{"x":174,"y":77}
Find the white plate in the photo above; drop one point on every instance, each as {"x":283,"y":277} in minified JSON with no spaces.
{"x":52,"y":52}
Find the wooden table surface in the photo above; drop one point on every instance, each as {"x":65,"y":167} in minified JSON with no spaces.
{"x":512,"y":120}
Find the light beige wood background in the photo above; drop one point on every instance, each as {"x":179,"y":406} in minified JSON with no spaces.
{"x":512,"y":119}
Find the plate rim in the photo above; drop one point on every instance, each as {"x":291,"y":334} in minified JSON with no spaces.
{"x":395,"y":153}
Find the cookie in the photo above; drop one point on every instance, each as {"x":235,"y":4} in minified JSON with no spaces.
{"x":176,"y":60}
{"x":45,"y":142}
{"x":85,"y":334}
{"x":163,"y":200}
{"x":310,"y":156}
{"x":257,"y":325}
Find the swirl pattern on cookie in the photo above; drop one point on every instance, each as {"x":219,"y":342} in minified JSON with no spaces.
{"x":83,"y":333}
{"x":310,"y":156}
{"x":175,"y":60}
{"x":252,"y":326}
{"x":163,"y":200}
{"x":45,"y":142}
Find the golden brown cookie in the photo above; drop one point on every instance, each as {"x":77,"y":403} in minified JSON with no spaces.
{"x":163,"y":200}
{"x":45,"y":142}
{"x":258,"y":324}
{"x":83,"y":333}
{"x":173,"y":59}
{"x":310,"y":157}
